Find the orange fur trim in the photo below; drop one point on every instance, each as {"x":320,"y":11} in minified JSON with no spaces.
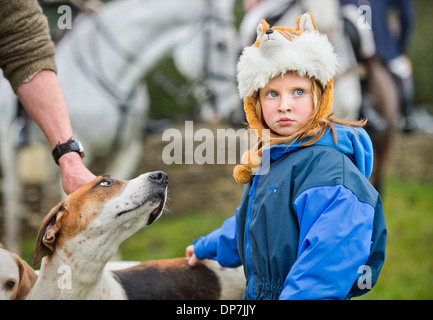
{"x":312,"y":19}
{"x":327,"y":100}
{"x":250,"y":112}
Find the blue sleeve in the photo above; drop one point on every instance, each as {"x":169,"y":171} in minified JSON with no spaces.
{"x":220,"y":245}
{"x":334,"y":242}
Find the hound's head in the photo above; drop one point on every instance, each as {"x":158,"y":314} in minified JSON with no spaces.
{"x":16,"y":276}
{"x":100,"y":215}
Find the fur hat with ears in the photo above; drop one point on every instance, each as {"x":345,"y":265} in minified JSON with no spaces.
{"x":278,"y":50}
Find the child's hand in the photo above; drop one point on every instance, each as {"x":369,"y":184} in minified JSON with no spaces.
{"x":192,"y":259}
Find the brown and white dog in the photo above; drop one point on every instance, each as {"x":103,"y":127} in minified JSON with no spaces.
{"x":16,"y":276}
{"x":79,"y":236}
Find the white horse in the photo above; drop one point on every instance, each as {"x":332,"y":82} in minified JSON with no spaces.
{"x":102,"y":61}
{"x":347,"y":89}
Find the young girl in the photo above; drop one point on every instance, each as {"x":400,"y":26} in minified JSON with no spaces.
{"x":311,"y":226}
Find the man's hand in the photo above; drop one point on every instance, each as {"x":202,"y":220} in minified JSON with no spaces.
{"x":74,"y":173}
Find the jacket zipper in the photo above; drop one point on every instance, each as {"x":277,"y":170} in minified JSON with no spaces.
{"x":248,"y":244}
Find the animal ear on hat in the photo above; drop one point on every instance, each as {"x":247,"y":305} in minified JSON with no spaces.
{"x":306,"y":23}
{"x":261,"y":28}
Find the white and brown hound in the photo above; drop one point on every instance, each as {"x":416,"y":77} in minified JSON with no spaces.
{"x":16,"y":276}
{"x":79,"y":236}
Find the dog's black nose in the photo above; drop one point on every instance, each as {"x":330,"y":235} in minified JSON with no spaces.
{"x":159,"y":177}
{"x":269,"y":31}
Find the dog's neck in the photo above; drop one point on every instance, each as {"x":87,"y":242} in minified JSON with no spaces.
{"x":67,"y":275}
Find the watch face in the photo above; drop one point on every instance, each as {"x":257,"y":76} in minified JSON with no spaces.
{"x":80,"y":146}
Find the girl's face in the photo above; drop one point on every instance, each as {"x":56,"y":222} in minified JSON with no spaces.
{"x":287,"y":103}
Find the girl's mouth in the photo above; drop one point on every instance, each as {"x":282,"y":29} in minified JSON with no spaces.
{"x":285,"y":122}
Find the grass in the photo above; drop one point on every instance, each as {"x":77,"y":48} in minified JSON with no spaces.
{"x":408,"y":268}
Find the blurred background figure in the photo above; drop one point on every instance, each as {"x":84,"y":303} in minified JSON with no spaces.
{"x":392,"y":22}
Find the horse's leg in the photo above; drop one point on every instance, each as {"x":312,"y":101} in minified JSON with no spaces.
{"x":385,"y":102}
{"x":10,"y":192}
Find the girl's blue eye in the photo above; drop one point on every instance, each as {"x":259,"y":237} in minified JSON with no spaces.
{"x":298,"y":92}
{"x":272,"y":94}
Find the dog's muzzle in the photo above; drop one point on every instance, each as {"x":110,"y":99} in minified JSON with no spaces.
{"x":160,"y":179}
{"x":156,"y":194}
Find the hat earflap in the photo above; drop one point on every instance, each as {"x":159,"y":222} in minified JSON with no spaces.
{"x":325,"y":107}
{"x":250,"y":162}
{"x":251,"y":113}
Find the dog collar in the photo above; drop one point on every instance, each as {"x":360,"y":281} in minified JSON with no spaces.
{"x":69,"y":146}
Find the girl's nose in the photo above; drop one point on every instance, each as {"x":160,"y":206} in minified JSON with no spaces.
{"x":285,"y":105}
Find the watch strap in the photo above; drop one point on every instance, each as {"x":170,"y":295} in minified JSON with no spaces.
{"x":64,"y":148}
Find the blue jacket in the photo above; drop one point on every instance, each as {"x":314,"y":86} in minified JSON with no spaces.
{"x":312,"y":227}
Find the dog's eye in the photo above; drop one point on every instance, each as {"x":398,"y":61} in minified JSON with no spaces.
{"x":10,"y":284}
{"x":105,"y":183}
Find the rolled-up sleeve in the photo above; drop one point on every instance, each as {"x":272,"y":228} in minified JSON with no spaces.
{"x":25,"y":42}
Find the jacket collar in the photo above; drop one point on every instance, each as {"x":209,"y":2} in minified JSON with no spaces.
{"x":354,"y":143}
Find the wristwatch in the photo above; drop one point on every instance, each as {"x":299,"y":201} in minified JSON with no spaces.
{"x":69,"y":146}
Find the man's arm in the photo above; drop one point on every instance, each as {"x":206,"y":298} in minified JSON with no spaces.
{"x":43,"y":99}
{"x":27,"y":60}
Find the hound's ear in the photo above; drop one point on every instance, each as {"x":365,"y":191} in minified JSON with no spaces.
{"x":28,"y":277}
{"x":51,"y":225}
{"x":306,"y":23}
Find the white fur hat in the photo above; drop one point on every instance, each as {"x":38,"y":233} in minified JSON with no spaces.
{"x":278,"y":50}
